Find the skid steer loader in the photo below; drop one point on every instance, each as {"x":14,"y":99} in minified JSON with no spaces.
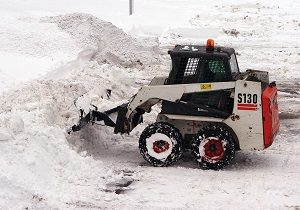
{"x":207,"y":106}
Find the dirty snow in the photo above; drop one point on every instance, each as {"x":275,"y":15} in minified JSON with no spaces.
{"x":52,"y":53}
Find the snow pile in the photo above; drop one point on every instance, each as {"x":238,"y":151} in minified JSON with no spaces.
{"x":29,"y":48}
{"x":113,"y":45}
{"x":49,"y":168}
{"x":31,"y":37}
{"x":3,"y":80}
{"x":37,"y":154}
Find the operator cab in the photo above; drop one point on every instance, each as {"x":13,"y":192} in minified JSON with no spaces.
{"x":202,"y":64}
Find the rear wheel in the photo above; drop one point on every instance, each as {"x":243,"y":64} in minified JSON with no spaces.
{"x":160,"y":144}
{"x":213,"y":147}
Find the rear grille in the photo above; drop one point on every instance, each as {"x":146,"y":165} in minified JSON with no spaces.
{"x":191,"y":66}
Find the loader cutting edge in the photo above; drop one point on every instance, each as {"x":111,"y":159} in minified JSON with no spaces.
{"x":205,"y":94}
{"x":96,"y":117}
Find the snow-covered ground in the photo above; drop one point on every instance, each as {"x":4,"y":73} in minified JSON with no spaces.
{"x":51,"y":53}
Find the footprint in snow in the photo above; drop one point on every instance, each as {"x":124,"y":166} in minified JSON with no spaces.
{"x":119,"y":181}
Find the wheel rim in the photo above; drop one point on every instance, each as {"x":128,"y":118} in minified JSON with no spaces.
{"x":160,"y":146}
{"x":213,"y":149}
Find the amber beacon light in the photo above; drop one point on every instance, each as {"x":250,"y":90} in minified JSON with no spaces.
{"x":210,"y":45}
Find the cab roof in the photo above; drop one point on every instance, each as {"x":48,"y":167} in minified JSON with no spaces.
{"x":198,"y":51}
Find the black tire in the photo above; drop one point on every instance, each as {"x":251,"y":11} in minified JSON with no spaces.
{"x":160,"y":144}
{"x":213,"y":147}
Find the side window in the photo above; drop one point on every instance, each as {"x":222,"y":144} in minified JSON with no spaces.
{"x":217,"y":66}
{"x":191,"y":67}
{"x":217,"y":71}
{"x":233,"y":64}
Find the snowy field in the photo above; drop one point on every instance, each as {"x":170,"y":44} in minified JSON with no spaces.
{"x":52,"y":52}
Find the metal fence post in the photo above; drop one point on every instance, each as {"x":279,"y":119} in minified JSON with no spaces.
{"x":130,"y":7}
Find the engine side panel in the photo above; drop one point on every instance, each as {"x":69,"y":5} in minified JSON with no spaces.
{"x":247,"y":121}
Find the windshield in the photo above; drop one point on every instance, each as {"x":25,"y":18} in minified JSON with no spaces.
{"x":233,"y":64}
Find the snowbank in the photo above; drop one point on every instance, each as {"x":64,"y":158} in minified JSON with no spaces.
{"x":113,"y":45}
{"x":37,"y":155}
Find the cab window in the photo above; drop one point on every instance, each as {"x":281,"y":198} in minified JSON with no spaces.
{"x":233,"y":64}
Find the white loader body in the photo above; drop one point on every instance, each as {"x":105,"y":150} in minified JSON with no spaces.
{"x":246,"y":120}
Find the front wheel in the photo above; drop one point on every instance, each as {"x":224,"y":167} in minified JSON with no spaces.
{"x":160,"y":144}
{"x":213,"y":147}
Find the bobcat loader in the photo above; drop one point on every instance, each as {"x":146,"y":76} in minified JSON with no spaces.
{"x":207,"y":106}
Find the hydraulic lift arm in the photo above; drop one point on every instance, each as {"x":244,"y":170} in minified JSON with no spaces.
{"x":130,"y":114}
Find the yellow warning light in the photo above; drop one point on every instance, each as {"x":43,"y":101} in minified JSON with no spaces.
{"x":210,"y":44}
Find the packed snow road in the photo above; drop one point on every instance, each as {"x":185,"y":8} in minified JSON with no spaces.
{"x":63,"y":56}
